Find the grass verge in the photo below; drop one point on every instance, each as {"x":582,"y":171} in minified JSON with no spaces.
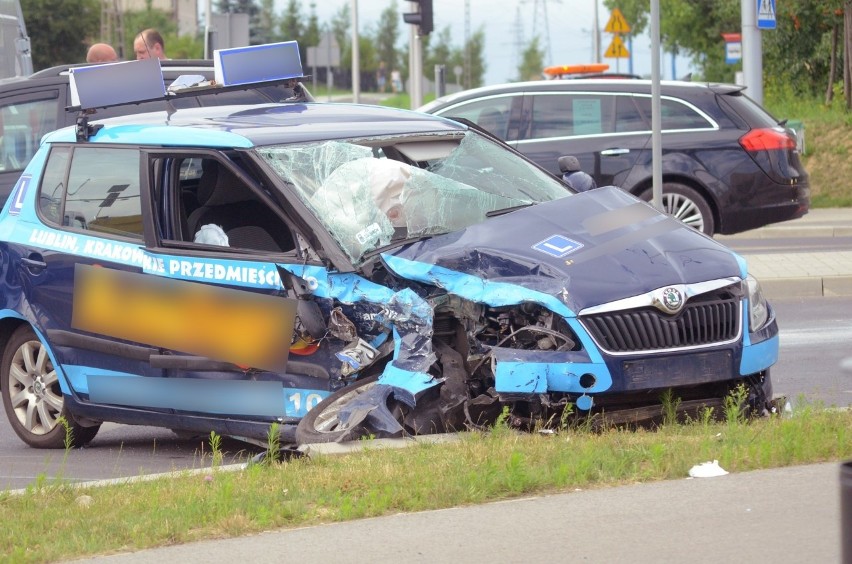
{"x":56,"y":522}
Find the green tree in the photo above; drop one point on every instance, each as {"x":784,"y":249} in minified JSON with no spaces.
{"x":796,"y":55}
{"x":61,"y":30}
{"x":136,"y":21}
{"x":311,"y":37}
{"x":267,"y":24}
{"x":475,"y":50}
{"x":386,"y":38}
{"x":341,"y":24}
{"x":292,"y":25}
{"x":532,"y":61}
{"x":438,"y":50}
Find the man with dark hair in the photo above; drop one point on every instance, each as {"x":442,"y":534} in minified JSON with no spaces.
{"x":149,"y":44}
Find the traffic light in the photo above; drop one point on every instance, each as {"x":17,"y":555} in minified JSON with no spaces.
{"x":422,"y":18}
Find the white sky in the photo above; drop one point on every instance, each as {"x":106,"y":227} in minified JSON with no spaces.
{"x":570,"y":31}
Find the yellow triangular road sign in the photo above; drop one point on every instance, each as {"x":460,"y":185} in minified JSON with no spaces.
{"x":617,"y":23}
{"x":616,"y":49}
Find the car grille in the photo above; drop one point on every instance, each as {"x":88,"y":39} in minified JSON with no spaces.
{"x":702,"y":323}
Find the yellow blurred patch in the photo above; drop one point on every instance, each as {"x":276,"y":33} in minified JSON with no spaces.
{"x":237,"y":326}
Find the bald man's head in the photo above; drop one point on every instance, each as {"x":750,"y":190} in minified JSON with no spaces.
{"x":101,"y":53}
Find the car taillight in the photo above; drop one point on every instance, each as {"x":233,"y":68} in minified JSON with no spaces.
{"x":767,"y":139}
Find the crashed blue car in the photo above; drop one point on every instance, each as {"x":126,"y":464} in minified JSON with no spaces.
{"x":345,"y":270}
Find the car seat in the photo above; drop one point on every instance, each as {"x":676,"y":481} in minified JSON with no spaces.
{"x":226,"y":201}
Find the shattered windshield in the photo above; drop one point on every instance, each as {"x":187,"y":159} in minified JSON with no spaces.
{"x":371,"y":193}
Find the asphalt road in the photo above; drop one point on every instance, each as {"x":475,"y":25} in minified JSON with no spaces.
{"x":815,"y":337}
{"x":780,"y":515}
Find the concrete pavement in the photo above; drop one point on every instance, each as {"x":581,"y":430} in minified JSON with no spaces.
{"x":803,"y":273}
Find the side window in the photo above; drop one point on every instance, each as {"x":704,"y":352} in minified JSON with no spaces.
{"x":674,"y":114}
{"x":21,"y":127}
{"x":627,"y":116}
{"x":52,"y":190}
{"x":568,"y":115}
{"x":211,"y":205}
{"x":103,"y":191}
{"x":551,"y":116}
{"x":491,"y":114}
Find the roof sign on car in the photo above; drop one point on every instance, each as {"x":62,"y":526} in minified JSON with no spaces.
{"x":112,"y":84}
{"x":258,"y":63}
{"x":134,"y":82}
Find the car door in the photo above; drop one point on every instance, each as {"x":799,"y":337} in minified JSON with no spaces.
{"x":151,"y":329}
{"x":223,"y":241}
{"x":25,"y":116}
{"x":605,"y":131}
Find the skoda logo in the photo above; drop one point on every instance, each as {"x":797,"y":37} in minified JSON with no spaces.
{"x":669,"y":300}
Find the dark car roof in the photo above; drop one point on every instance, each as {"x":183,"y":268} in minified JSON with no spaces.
{"x":672,"y":87}
{"x":265,"y":124}
{"x":170,"y":66}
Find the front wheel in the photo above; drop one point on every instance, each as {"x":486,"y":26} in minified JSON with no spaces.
{"x":322,"y":424}
{"x":32,"y":397}
{"x":687,"y":205}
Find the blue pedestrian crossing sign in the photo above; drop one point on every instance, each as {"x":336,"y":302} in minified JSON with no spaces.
{"x":765,"y":14}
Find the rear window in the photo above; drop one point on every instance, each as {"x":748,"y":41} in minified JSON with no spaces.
{"x":675,"y":114}
{"x":747,"y":109}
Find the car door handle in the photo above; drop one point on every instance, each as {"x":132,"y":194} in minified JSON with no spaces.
{"x":614,"y":152}
{"x":34,"y":263}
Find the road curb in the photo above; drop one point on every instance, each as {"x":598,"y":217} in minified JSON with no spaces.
{"x":807,"y":287}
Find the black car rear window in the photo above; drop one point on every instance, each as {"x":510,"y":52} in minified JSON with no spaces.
{"x":751,"y":112}
{"x":675,"y":114}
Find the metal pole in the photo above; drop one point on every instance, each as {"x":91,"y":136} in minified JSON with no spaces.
{"x":329,"y":77}
{"x":656,"y":121}
{"x":417,"y":74}
{"x":596,"y":35}
{"x":752,"y":51}
{"x":208,"y":54}
{"x":440,"y":80}
{"x":356,"y":56}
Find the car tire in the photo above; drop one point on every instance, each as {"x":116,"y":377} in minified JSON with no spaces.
{"x":321,"y":425}
{"x":687,"y":205}
{"x":32,"y":397}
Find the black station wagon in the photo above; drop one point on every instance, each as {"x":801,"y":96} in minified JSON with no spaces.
{"x":728,"y":166}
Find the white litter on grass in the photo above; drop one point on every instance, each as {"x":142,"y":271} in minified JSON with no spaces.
{"x":707,"y":470}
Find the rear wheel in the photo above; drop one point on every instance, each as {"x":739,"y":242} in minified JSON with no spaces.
{"x":687,"y":205}
{"x":32,"y":397}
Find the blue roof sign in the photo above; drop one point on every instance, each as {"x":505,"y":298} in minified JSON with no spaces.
{"x":258,"y":63}
{"x":116,"y":83}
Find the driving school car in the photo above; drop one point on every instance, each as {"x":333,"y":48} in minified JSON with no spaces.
{"x":343,"y":270}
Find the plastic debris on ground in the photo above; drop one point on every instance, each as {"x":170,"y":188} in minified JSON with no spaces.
{"x":707,"y":470}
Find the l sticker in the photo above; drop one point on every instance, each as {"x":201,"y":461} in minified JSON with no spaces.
{"x":557,"y":246}
{"x":18,"y":194}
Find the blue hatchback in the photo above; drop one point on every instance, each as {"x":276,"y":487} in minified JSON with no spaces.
{"x":345,"y":270}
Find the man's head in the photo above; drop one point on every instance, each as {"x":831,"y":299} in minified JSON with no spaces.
{"x":101,"y":53}
{"x":149,"y":45}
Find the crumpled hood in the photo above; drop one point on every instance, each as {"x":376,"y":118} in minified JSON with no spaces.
{"x":588,"y":249}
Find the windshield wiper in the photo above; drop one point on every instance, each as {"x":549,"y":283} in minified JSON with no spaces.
{"x":510,"y":209}
{"x":397,"y":243}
